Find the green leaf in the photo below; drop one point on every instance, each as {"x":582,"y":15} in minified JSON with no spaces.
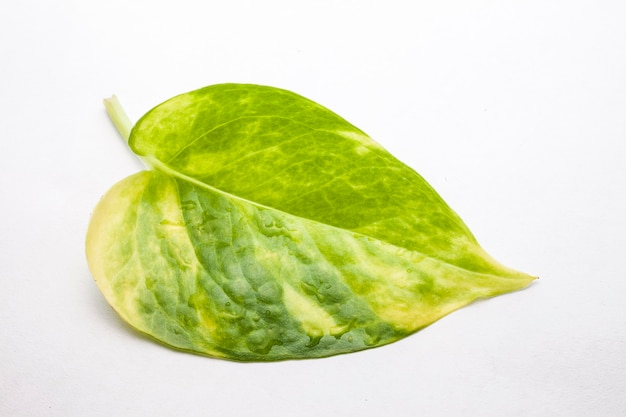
{"x":270,"y":228}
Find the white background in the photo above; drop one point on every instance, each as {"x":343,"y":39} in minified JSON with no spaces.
{"x":515,"y":111}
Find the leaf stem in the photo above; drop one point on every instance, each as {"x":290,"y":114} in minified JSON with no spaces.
{"x":118,"y":116}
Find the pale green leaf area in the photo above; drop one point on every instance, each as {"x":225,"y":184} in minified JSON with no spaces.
{"x":269,"y":228}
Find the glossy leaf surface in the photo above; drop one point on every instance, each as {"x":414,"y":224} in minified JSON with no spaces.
{"x":270,"y":228}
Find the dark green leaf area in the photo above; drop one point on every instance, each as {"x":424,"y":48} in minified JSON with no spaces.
{"x":163,"y":261}
{"x":260,"y":288}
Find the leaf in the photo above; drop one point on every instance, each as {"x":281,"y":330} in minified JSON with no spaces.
{"x":270,"y":228}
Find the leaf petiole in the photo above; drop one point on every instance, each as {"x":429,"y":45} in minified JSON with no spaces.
{"x":118,"y":116}
{"x":122,"y":123}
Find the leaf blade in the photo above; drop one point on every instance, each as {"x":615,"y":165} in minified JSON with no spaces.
{"x":270,"y":228}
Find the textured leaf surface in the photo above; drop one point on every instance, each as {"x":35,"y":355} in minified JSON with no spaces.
{"x":270,"y":228}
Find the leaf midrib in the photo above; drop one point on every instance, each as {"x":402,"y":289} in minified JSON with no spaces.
{"x":158,"y":165}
